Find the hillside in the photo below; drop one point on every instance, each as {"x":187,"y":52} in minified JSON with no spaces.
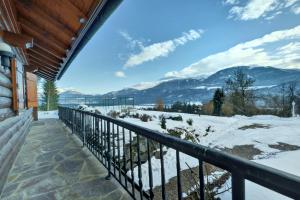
{"x":268,"y":80}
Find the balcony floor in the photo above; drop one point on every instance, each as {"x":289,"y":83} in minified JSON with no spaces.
{"x":53,"y":165}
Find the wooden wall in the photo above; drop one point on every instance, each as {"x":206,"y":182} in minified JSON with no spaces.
{"x":5,"y":94}
{"x":12,"y":135}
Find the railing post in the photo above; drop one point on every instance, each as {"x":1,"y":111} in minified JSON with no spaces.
{"x":83,"y":124}
{"x":108,"y":151}
{"x":73,"y":120}
{"x":238,"y":186}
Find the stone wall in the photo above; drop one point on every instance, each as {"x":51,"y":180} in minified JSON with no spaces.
{"x":12,"y":134}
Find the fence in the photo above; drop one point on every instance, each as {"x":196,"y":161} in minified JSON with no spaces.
{"x":122,"y":101}
{"x":114,"y":142}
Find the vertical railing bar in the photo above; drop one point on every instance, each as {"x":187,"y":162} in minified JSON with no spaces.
{"x":201,"y":180}
{"x":119,"y":160}
{"x":179,"y":189}
{"x":108,"y":151}
{"x":139,"y":166}
{"x":150,"y":171}
{"x":124,"y":157}
{"x":101,"y":140}
{"x":238,"y":186}
{"x":163,"y":191}
{"x":114,"y":148}
{"x":131,"y":164}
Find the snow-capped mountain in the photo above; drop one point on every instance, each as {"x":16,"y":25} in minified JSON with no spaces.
{"x":267,"y":80}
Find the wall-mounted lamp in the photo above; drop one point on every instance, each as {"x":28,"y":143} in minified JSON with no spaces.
{"x":6,"y":54}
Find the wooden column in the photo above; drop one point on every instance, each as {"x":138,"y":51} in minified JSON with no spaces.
{"x":15,"y":105}
{"x":31,"y":91}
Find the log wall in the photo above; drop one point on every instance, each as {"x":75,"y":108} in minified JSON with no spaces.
{"x":12,"y":134}
{"x":5,"y":94}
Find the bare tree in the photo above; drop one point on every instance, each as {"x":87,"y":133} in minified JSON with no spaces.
{"x":240,"y":93}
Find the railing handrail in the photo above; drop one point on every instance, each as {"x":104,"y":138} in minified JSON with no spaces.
{"x":274,"y":179}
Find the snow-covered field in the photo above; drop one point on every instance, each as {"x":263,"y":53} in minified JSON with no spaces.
{"x":264,"y":132}
{"x":227,"y":132}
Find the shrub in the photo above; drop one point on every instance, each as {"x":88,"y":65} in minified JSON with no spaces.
{"x":113,"y":114}
{"x":175,"y":132}
{"x":189,"y":122}
{"x":145,"y":118}
{"x":163,"y":123}
{"x":207,"y":108}
{"x":176,"y":118}
{"x":227,"y":109}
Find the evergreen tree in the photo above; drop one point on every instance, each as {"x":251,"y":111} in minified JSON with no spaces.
{"x":218,"y":101}
{"x":50,"y":95}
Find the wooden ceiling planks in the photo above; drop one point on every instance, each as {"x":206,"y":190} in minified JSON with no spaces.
{"x":54,"y":26}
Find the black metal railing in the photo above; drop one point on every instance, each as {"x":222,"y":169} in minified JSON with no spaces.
{"x":111,"y":140}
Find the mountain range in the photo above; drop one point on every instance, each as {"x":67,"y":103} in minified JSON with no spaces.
{"x":267,"y":81}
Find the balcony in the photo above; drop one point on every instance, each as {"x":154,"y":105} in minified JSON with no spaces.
{"x":53,"y":165}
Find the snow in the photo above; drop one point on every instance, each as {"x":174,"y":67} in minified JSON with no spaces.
{"x":225,"y":132}
{"x":48,"y":114}
{"x":284,"y":161}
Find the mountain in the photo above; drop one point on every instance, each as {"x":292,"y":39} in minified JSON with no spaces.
{"x":201,"y":89}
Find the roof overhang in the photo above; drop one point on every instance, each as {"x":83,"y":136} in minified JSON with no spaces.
{"x":57,"y":30}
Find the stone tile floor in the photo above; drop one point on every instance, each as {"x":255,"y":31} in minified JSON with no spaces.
{"x":53,"y":165}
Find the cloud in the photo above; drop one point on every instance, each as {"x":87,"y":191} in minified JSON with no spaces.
{"x":145,"y":85}
{"x":230,"y":2}
{"x":120,"y":74}
{"x":160,"y":49}
{"x":255,"y":9}
{"x":296,"y":10}
{"x":132,"y":43}
{"x":278,"y":49}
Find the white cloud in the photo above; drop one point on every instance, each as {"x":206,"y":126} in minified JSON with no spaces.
{"x":278,"y":49}
{"x":160,"y":49}
{"x":296,"y":10}
{"x":230,"y":2}
{"x":255,"y":9}
{"x":145,"y":85}
{"x":120,"y":74}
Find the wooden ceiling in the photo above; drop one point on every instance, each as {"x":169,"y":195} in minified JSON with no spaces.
{"x":54,"y":25}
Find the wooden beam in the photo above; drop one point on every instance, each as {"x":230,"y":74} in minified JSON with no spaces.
{"x":42,"y":46}
{"x":85,"y":6}
{"x":43,"y":75}
{"x":46,"y":72}
{"x":34,"y":63}
{"x":42,"y":62}
{"x":41,"y":57}
{"x":30,"y":68}
{"x":45,"y":55}
{"x":14,"y":85}
{"x":43,"y":67}
{"x":64,"y":11}
{"x":36,"y":32}
{"x":39,"y":17}
{"x":8,"y":19}
{"x":16,"y":40}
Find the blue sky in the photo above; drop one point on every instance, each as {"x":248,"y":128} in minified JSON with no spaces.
{"x":146,"y":41}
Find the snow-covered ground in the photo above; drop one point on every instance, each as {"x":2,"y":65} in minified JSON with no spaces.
{"x":227,"y":132}
{"x":48,"y":114}
{"x":261,"y":131}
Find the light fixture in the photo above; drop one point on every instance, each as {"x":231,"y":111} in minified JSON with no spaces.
{"x":82,"y":20}
{"x":6,"y":54}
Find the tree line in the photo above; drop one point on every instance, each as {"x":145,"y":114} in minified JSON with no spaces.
{"x":238,"y":96}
